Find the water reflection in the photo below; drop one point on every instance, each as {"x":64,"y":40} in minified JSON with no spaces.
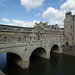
{"x":3,"y":61}
{"x":37,"y":67}
{"x":57,"y":65}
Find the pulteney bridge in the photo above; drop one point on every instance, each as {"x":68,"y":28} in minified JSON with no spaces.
{"x":20,"y":42}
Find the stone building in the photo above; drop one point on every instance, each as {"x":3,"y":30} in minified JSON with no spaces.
{"x":69,"y":33}
{"x":69,"y":29}
{"x":40,"y":31}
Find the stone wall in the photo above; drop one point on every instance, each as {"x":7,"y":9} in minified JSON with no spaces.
{"x":69,"y":50}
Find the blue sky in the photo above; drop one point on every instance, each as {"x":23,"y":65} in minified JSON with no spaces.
{"x":27,"y":12}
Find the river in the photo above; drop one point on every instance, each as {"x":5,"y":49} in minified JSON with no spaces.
{"x":57,"y":65}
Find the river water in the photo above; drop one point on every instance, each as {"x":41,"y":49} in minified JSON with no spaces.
{"x":57,"y":65}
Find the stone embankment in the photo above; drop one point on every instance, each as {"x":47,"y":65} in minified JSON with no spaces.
{"x":1,"y":73}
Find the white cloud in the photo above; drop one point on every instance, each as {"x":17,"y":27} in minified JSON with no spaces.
{"x":17,"y":22}
{"x":21,"y":23}
{"x":50,"y":13}
{"x":5,"y":20}
{"x":57,"y":16}
{"x":29,"y":4}
{"x":68,"y":5}
{"x":24,"y":24}
{"x":38,"y":15}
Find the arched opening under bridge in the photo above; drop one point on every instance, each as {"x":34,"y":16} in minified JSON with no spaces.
{"x":38,"y":52}
{"x":55,"y":49}
{"x":54,"y":57}
{"x":36,"y":58}
{"x":8,"y":59}
{"x":12,"y":57}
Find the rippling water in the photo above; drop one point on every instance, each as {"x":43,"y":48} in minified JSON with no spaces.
{"x":57,"y":65}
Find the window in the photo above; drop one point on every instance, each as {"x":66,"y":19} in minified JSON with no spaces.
{"x":30,"y":38}
{"x":19,"y":38}
{"x":34,"y":38}
{"x":25,"y":49}
{"x":19,"y":29}
{"x":5,"y":28}
{"x":70,"y":26}
{"x":25,"y":38}
{"x":70,"y":33}
{"x":54,"y":27}
{"x":45,"y":38}
{"x":38,"y":35}
{"x":5,"y":39}
{"x":66,"y":43}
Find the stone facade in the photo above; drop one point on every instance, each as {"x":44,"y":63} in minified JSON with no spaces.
{"x":69,"y":29}
{"x":24,"y":41}
{"x":69,"y":34}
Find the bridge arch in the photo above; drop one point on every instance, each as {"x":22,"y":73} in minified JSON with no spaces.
{"x":20,"y":61}
{"x":38,"y":52}
{"x":54,"y":48}
{"x":13,"y":57}
{"x":13,"y":52}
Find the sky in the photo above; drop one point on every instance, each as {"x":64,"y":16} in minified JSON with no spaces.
{"x":26,"y":12}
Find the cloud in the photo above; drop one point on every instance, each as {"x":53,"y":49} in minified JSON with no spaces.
{"x":21,"y":23}
{"x":38,"y":15}
{"x":50,"y":13}
{"x":17,"y":22}
{"x":29,"y":4}
{"x":57,"y":16}
{"x":5,"y":20}
{"x":69,"y":5}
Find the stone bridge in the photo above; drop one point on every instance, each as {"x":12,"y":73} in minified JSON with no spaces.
{"x":20,"y":42}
